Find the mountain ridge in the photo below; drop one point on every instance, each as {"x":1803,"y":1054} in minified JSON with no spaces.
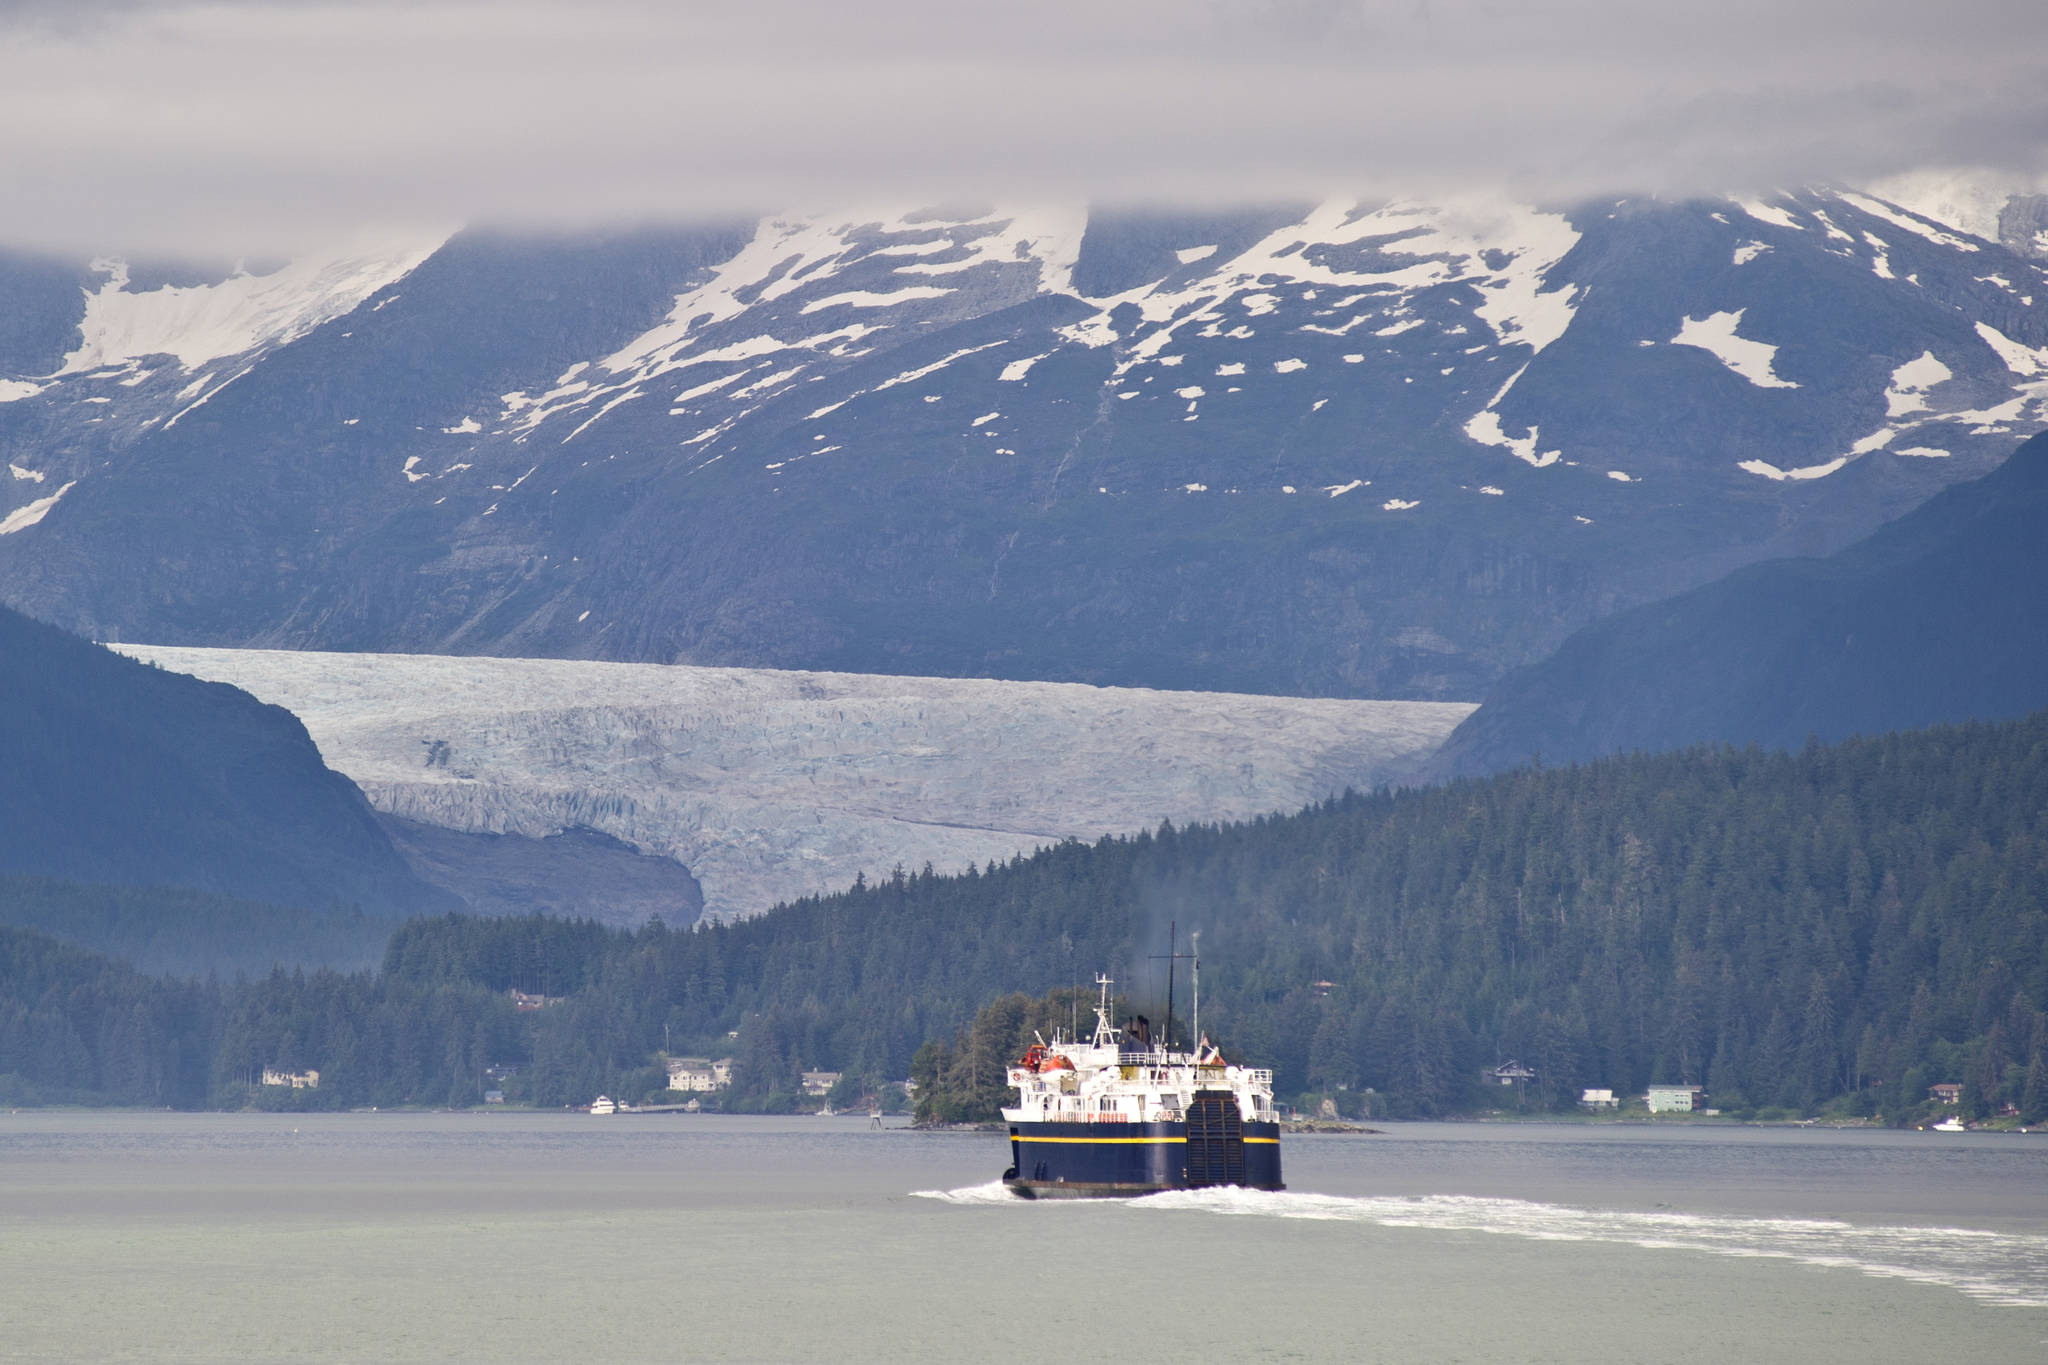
{"x":1936,"y":617}
{"x":1383,"y":450}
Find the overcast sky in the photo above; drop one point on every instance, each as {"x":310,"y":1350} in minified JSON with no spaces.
{"x":264,"y":126}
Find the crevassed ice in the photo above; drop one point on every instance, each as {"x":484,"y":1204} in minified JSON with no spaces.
{"x":771,"y":785}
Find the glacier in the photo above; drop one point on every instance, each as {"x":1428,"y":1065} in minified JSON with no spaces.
{"x":773,"y":784}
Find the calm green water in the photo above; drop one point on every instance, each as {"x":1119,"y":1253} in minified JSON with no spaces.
{"x":511,"y":1236}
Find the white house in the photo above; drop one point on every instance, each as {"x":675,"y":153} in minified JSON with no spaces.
{"x":1676,"y":1099}
{"x":297,"y":1080}
{"x":691,"y":1073}
{"x":820,"y":1082}
{"x":1511,"y":1073}
{"x":721,"y":1072}
{"x":1598,"y":1099}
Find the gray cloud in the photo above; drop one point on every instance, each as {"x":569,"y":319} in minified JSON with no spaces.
{"x":255,"y":126}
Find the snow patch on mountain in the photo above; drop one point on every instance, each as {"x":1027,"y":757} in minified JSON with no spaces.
{"x":1715,"y":334}
{"x":2026,"y":361}
{"x":1876,"y":440}
{"x":1968,"y":200}
{"x":1384,"y":256}
{"x":771,"y":785}
{"x":1016,"y":370}
{"x":30,"y":513}
{"x":1910,"y":383}
{"x":868,"y":298}
{"x":755,"y":310}
{"x":1485,"y":428}
{"x":1769,"y":213}
{"x":199,"y":323}
{"x":1877,"y":208}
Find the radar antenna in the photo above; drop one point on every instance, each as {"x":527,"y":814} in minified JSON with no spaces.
{"x":1105,"y":1027}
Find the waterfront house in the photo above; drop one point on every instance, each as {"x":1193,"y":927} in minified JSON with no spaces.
{"x":692,"y":1074}
{"x":820,"y":1082}
{"x":1511,"y":1073}
{"x":721,"y":1072}
{"x":494,"y":1097}
{"x":297,"y":1080}
{"x":1598,"y":1099}
{"x":1676,"y":1099}
{"x":1948,"y":1092}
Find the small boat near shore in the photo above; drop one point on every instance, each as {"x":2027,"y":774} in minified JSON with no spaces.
{"x":604,"y":1104}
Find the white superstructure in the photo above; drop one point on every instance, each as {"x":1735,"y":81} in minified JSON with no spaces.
{"x":1115,"y":1078}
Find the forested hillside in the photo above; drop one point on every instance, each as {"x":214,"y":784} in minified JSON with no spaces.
{"x":1841,"y":926}
{"x":76,"y":1028}
{"x":116,"y":772}
{"x":177,"y":931}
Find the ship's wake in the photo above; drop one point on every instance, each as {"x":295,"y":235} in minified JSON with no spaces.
{"x":994,"y":1192}
{"x":2003,"y":1268}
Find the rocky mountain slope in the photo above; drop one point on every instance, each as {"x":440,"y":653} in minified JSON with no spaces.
{"x":768,"y":786}
{"x":114,"y":772}
{"x":1361,"y":450}
{"x":1940,"y":616}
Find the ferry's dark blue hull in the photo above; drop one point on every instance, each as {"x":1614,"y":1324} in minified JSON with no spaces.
{"x":1083,"y":1160}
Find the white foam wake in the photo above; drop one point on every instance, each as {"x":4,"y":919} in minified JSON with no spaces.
{"x":2003,"y":1268}
{"x":992,"y":1193}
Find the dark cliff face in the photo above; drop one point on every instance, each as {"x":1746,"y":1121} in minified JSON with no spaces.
{"x":1940,"y":616}
{"x":1244,"y":460}
{"x":113,"y":771}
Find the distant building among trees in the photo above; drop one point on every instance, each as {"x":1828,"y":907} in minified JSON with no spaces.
{"x":1676,"y":1099}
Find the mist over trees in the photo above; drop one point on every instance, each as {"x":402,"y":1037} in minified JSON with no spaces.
{"x":1844,"y":926}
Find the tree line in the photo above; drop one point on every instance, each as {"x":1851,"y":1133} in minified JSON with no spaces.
{"x":1839,"y":928}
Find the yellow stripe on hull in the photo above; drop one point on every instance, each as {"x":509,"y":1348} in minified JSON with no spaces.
{"x":1093,"y":1141}
{"x":1023,"y":1138}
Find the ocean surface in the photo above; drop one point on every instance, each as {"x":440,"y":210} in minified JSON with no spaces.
{"x":564,"y":1237}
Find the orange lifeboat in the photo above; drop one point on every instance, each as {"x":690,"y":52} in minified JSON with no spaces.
{"x":1055,"y":1062}
{"x":1033,"y":1056}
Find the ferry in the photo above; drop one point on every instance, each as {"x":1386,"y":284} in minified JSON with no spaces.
{"x":1118,"y":1116}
